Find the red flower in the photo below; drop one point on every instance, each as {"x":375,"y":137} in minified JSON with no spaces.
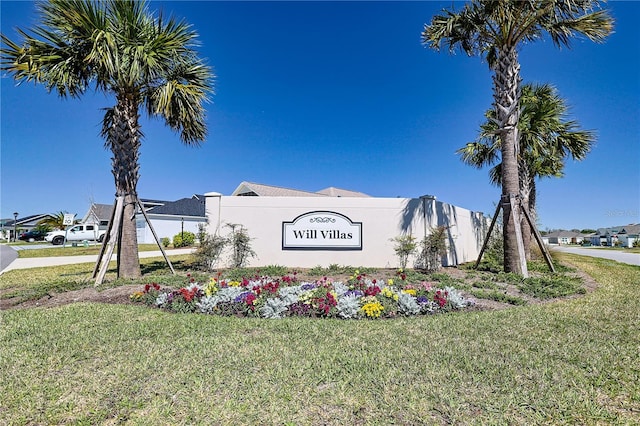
{"x":372,"y":290}
{"x":249,"y":300}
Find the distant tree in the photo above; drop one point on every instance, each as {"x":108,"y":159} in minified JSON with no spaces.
{"x":547,"y":138}
{"x":121,"y":49}
{"x":54,"y":221}
{"x":588,"y":231}
{"x":495,"y":30}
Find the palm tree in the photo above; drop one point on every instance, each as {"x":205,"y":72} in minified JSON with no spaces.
{"x":54,"y":221}
{"x":547,"y":138}
{"x":495,"y":30}
{"x":141,"y":60}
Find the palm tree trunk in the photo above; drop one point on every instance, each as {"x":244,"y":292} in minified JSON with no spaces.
{"x":506,"y":83}
{"x":124,"y":140}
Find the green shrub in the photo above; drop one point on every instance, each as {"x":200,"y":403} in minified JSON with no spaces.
{"x":209,"y":251}
{"x":433,"y":248}
{"x":273,"y":271}
{"x":405,"y":246}
{"x":184,"y":239}
{"x":165,"y":241}
{"x":240,"y":243}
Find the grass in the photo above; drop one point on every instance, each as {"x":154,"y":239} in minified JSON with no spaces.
{"x":55,"y":251}
{"x":569,"y":362}
{"x":34,"y":283}
{"x":498,"y":296}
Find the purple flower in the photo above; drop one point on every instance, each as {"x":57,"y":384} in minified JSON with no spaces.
{"x":299,"y":309}
{"x":356,"y":293}
{"x":242,"y":297}
{"x":308,"y":286}
{"x":422,"y":300}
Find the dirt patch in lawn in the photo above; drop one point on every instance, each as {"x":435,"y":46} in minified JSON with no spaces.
{"x":464,"y":280}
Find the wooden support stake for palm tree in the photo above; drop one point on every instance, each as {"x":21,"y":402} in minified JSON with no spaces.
{"x":543,"y":248}
{"x":113,"y":235}
{"x":538,"y":237}
{"x":488,"y":236}
{"x":110,"y":241}
{"x":104,"y":242}
{"x":515,"y":212}
{"x":155,"y":236}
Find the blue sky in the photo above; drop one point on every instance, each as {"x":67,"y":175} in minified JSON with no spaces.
{"x":317,"y":94}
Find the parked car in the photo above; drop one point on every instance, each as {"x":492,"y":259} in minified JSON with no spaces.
{"x":80,"y":232}
{"x":33,"y":235}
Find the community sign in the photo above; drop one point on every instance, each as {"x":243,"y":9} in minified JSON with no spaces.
{"x":322,"y":230}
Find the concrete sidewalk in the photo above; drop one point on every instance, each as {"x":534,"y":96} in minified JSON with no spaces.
{"x":43,"y":262}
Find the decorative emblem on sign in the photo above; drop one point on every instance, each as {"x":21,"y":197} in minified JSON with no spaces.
{"x":321,"y":219}
{"x":322,"y":230}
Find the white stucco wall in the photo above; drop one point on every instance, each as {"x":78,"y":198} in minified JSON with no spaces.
{"x":382,"y":219}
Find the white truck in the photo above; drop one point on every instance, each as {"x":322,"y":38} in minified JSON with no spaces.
{"x":79,"y":232}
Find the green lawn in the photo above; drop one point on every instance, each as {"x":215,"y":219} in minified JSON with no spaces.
{"x":69,"y":250}
{"x":569,"y":362}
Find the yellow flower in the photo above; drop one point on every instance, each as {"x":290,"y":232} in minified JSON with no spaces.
{"x":386,"y":292}
{"x":211,"y":287}
{"x":372,"y":309}
{"x":136,"y":296}
{"x":390,"y":281}
{"x":233,"y":283}
{"x":410,"y":291}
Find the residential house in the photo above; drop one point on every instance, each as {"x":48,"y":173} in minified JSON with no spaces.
{"x":167,"y":218}
{"x":172,"y":218}
{"x":20,"y":225}
{"x":606,"y":236}
{"x":565,"y":237}
{"x":98,"y":214}
{"x":629,"y":235}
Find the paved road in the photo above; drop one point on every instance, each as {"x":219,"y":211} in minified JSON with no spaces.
{"x":617,"y":255}
{"x":7,"y":255}
{"x":39,"y":262}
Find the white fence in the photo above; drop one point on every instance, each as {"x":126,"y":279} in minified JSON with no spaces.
{"x":310,"y":231}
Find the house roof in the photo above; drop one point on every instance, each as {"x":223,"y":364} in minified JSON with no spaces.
{"x":100,"y":211}
{"x":631,"y":229}
{"x":564,"y":234}
{"x":261,"y":190}
{"x":193,"y":206}
{"x":148,"y":202}
{"x":337,"y":192}
{"x":31,"y":220}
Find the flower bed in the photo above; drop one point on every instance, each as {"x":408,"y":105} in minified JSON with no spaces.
{"x":358,"y":297}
